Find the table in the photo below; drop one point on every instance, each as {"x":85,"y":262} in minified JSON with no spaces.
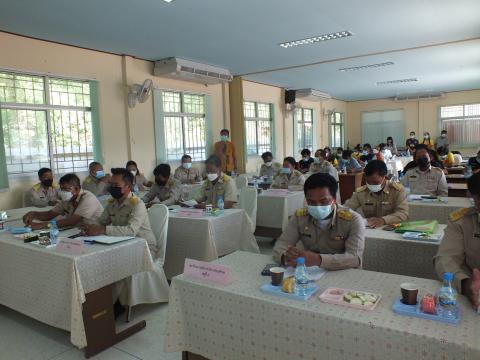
{"x":348,"y":183}
{"x":404,"y":159}
{"x":241,"y":322}
{"x":273,"y":212}
{"x":456,"y":179}
{"x":387,"y":251}
{"x":457,"y":190}
{"x":191,"y":191}
{"x":206,"y":238}
{"x":422,"y":210}
{"x":456,"y":169}
{"x":395,"y":165}
{"x":16,"y":215}
{"x":70,"y":292}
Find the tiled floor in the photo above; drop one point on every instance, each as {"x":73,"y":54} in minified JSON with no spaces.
{"x":22,"y":338}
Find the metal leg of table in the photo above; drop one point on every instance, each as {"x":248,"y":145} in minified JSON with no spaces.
{"x":99,"y":322}
{"x":186,"y":355}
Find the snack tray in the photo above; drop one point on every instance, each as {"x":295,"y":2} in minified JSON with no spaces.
{"x":334,"y":295}
{"x":415,"y":311}
{"x":277,"y":290}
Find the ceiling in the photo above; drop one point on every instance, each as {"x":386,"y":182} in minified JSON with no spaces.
{"x":243,"y":35}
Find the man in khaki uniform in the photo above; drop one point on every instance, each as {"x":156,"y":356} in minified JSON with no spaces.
{"x":97,"y":181}
{"x":269,"y":168}
{"x":78,"y":206}
{"x":217,"y":184}
{"x":425,"y":179}
{"x":288,"y":177}
{"x":381,"y":202}
{"x":125,"y":214}
{"x":332,"y":236}
{"x":322,"y":165}
{"x":459,"y":251}
{"x":186,"y":173}
{"x":45,"y":193}
{"x":166,"y":189}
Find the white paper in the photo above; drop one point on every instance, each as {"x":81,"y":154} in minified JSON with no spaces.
{"x":315,"y":272}
{"x":189,"y":203}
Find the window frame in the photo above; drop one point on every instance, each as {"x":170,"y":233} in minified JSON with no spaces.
{"x":47,"y":107}
{"x":256,"y":119}
{"x":332,"y":124}
{"x":303,"y":122}
{"x":463,"y":118}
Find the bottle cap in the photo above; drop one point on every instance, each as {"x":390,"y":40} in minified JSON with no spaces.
{"x":300,"y":261}
{"x":448,"y":276}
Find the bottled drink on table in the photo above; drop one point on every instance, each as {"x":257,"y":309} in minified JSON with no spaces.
{"x":53,"y":232}
{"x":447,"y":296}
{"x":301,"y":277}
{"x":220,"y":203}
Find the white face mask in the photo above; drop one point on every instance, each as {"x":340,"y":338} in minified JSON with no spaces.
{"x":268,"y":164}
{"x":212,"y":176}
{"x":65,"y":195}
{"x":187,"y":165}
{"x":134,"y":172}
{"x":374,"y":188}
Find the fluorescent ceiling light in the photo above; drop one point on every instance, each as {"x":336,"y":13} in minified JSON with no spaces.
{"x":366,"y":67}
{"x":399,"y":81}
{"x":311,"y":40}
{"x":168,"y":1}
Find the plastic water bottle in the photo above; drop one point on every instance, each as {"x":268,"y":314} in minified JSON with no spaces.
{"x":447,"y":296}
{"x":136,"y":189}
{"x":301,"y":277}
{"x":255,"y":184}
{"x":53,"y":232}
{"x":469,"y":171}
{"x":220,"y":203}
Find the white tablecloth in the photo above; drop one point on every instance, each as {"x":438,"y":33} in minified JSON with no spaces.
{"x":404,"y":159}
{"x":387,"y":251}
{"x":207,"y":238}
{"x":395,"y":165}
{"x":16,"y":215}
{"x":419,"y":210}
{"x":240,"y":322}
{"x":50,"y":287}
{"x":274,"y":211}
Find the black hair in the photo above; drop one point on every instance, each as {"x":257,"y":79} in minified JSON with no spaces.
{"x":473,"y":184}
{"x":185,"y":157}
{"x":267,"y":154}
{"x":163,"y":170}
{"x":389,"y":138}
{"x":346,"y":154}
{"x":126,"y":175}
{"x":421,"y":147}
{"x":326,"y":148}
{"x":225,"y":130}
{"x":214,"y":160}
{"x":305,"y":152}
{"x":320,"y":180}
{"x":443,"y":131}
{"x":291,"y":160}
{"x":412,"y":132}
{"x":131,"y":162}
{"x":376,"y":167}
{"x":322,"y":152}
{"x":340,"y":149}
{"x":367,"y":145}
{"x":93,"y":164}
{"x":382,"y":146}
{"x":43,"y":171}
{"x":358,"y":147}
{"x":70,"y":179}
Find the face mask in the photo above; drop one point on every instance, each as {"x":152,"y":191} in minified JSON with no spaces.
{"x":365,"y":152}
{"x":426,"y":136}
{"x":285,"y":170}
{"x":47,"y":182}
{"x":423,"y":162}
{"x":116,"y":192}
{"x":134,"y":172}
{"x":317,"y":160}
{"x":444,"y":135}
{"x":306,"y":158}
{"x":224,"y":137}
{"x":319,"y":212}
{"x":187,"y":165}
{"x":268,"y":164}
{"x":412,"y":136}
{"x":374,"y":188}
{"x":65,"y":195}
{"x":100,"y":174}
{"x":339,"y":154}
{"x":212,"y":176}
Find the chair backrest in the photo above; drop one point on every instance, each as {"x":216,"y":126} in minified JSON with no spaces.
{"x":158,"y":216}
{"x":248,"y":202}
{"x":241,"y":181}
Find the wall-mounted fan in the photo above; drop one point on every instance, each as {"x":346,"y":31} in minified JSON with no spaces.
{"x":139,"y":93}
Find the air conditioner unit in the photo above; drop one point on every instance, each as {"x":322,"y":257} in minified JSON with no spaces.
{"x":177,"y":68}
{"x":312,"y":94}
{"x":418,"y":97}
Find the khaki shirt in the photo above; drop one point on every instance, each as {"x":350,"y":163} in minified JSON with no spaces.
{"x":459,"y":251}
{"x":325,"y":167}
{"x":390,"y":204}
{"x":270,"y":171}
{"x":40,"y":197}
{"x":187,"y":176}
{"x":340,"y":243}
{"x":224,"y":186}
{"x":167,"y":195}
{"x":95,"y":186}
{"x":295,"y":182}
{"x":85,"y":205}
{"x":430,"y":182}
{"x":130,"y":218}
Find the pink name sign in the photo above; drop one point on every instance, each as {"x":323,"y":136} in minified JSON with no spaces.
{"x":215,"y":273}
{"x":190,"y":213}
{"x":277,"y":192}
{"x":71,"y":246}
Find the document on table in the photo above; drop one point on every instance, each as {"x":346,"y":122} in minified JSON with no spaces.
{"x":104,"y":239}
{"x":189,"y":203}
{"x":315,"y":272}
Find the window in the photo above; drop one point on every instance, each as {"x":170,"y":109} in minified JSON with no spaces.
{"x":337,"y":129}
{"x":304,"y":120}
{"x":47,"y":122}
{"x":184,"y":124}
{"x":378,"y":125}
{"x":258,"y":124}
{"x":462,"y":123}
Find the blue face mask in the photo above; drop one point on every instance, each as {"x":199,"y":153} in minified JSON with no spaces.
{"x":100,"y":174}
{"x":224,"y":137}
{"x":320,"y":212}
{"x":285,"y":170}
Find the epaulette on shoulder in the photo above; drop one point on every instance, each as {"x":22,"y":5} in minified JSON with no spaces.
{"x":134,"y":200}
{"x":434,"y":168}
{"x":55,"y":186}
{"x":111,"y":200}
{"x":345,"y":215}
{"x":87,"y":180}
{"x":458,"y":214}
{"x":301,"y":212}
{"x":397,"y":185}
{"x":226,"y":178}
{"x":361,"y":188}
{"x":36,"y":187}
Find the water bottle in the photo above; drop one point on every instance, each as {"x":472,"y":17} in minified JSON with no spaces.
{"x":469,"y":171}
{"x":447,"y":296}
{"x":136,"y":189}
{"x":301,"y":277}
{"x":220,"y":203}
{"x":53,"y":232}
{"x":255,"y":184}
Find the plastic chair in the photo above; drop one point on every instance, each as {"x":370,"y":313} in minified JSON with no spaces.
{"x":248,"y":202}
{"x":152,"y":286}
{"x":241,"y":181}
